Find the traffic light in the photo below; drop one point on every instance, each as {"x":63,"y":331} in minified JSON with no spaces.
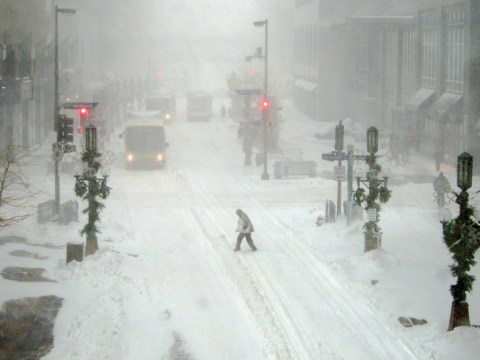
{"x":84,"y":112}
{"x":65,"y":129}
{"x":265,"y":104}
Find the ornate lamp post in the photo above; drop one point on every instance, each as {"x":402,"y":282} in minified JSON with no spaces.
{"x":265,"y":111}
{"x":89,"y":187}
{"x":377,"y":190}
{"x":462,"y":237}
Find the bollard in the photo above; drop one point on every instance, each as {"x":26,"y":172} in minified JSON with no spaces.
{"x":74,"y":251}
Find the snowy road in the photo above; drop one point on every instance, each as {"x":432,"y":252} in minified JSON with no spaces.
{"x":171,"y":286}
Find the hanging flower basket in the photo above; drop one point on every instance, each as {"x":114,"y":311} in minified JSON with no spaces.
{"x":80,"y":188}
{"x":359,"y":196}
{"x":384,"y":194}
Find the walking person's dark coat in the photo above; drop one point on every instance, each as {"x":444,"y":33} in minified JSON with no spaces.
{"x":244,"y":228}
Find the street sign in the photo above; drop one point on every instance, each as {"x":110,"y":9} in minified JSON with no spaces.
{"x":78,"y":105}
{"x":372,"y":214}
{"x":339,"y":173}
{"x":334,"y":156}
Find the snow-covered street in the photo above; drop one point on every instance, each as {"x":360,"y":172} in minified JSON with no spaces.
{"x":166,"y":283}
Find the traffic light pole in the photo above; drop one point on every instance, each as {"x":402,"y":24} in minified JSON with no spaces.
{"x":265,"y":175}
{"x":56,"y":112}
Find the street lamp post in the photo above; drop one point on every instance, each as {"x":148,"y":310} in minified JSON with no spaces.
{"x":377,"y":189}
{"x":462,"y":237}
{"x":265,"y":112}
{"x":56,"y":110}
{"x":339,"y":131}
{"x":89,"y":187}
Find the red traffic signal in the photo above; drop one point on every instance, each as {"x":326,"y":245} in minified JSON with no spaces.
{"x":265,"y":104}
{"x":83,"y":113}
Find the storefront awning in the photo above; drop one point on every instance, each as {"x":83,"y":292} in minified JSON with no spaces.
{"x":421,"y":98}
{"x":444,"y":104}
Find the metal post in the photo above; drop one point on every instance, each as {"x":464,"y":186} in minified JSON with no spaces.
{"x":56,"y":109}
{"x":339,"y":192}
{"x":266,"y":57}
{"x":349,"y":183}
{"x":371,"y":241}
{"x":265,"y":175}
{"x":91,"y":245}
{"x":55,"y":118}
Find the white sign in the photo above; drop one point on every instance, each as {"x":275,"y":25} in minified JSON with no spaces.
{"x":372,"y":214}
{"x":339,"y":173}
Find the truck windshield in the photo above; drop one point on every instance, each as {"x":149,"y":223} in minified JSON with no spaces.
{"x":145,"y":139}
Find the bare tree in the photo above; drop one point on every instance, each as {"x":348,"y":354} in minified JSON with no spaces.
{"x":16,"y":193}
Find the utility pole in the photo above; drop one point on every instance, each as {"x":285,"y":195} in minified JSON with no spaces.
{"x":56,"y":112}
{"x":265,"y":102}
{"x":339,"y":155}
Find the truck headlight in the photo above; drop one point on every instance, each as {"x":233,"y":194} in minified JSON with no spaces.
{"x":129,"y":157}
{"x":160,"y":157}
{"x":168,"y":116}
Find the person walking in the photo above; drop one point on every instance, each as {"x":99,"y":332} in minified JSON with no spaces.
{"x":441,"y":187}
{"x":244,"y":228}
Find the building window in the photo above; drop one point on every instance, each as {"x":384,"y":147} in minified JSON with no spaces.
{"x":430,"y":37}
{"x":455,"y":50}
{"x":409,"y":68}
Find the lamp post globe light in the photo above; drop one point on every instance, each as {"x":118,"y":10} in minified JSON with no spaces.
{"x":91,"y":138}
{"x":56,"y":108}
{"x":265,"y":111}
{"x":464,"y":171}
{"x":372,"y":140}
{"x":462,"y":238}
